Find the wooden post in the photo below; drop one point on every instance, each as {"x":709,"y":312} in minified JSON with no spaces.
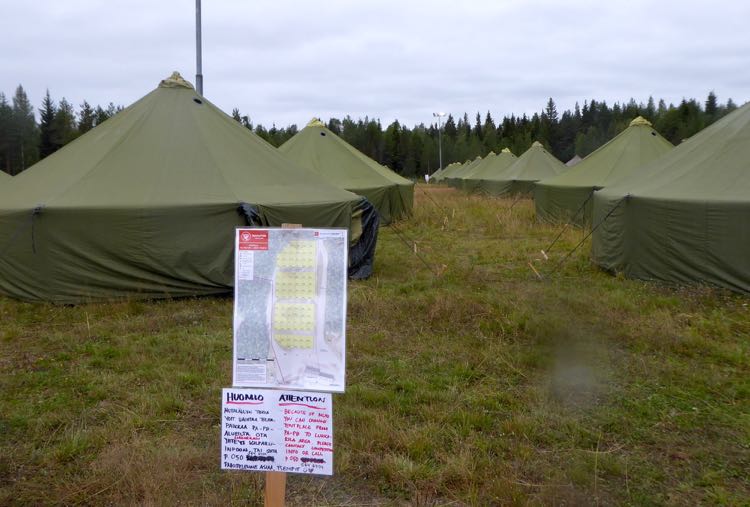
{"x":275,"y":489}
{"x":276,"y":481}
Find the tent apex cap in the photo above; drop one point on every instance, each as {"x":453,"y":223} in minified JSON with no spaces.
{"x":315,"y":122}
{"x":640,"y":120}
{"x":506,"y":150}
{"x":175,"y":81}
{"x":537,"y":144}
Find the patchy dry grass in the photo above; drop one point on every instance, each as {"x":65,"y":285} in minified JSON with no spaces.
{"x":480,"y":386}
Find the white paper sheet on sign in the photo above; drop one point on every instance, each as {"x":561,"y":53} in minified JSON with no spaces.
{"x":290,"y":308}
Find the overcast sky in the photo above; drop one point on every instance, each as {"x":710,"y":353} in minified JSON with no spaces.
{"x":286,"y":61}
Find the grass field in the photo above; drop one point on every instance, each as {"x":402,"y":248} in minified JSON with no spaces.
{"x":470,"y":382}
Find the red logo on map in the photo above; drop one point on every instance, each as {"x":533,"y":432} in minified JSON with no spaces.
{"x":253,"y":240}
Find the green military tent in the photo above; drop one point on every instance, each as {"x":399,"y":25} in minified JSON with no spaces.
{"x":449,"y":171}
{"x":320,"y":150}
{"x":436,"y":176}
{"x":519,"y":178}
{"x":145,"y":204}
{"x":454,"y":178}
{"x":573,"y":161}
{"x":493,"y":166}
{"x":684,"y":217}
{"x":567,"y":197}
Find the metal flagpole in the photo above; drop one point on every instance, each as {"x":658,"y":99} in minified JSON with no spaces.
{"x":198,"y":60}
{"x":439,"y":116}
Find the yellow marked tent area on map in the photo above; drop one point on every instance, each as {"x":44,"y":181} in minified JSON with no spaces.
{"x":290,"y":308}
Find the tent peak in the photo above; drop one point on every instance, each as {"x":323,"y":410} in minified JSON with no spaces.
{"x":315,"y":122}
{"x":506,"y":150}
{"x":175,"y":81}
{"x":537,"y":144}
{"x":640,"y":120}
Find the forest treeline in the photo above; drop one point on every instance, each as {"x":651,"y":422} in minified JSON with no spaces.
{"x":412,"y":152}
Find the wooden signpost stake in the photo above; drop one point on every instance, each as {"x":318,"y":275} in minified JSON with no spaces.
{"x":275,"y":489}
{"x":276,"y":481}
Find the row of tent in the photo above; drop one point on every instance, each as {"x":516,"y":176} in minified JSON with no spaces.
{"x":145,"y":204}
{"x":657,"y":212}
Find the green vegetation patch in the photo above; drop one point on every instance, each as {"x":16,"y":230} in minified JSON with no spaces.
{"x":470,"y":382}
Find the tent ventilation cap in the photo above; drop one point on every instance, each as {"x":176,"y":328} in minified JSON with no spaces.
{"x":640,"y":121}
{"x":315,"y":122}
{"x":506,"y":150}
{"x":536,"y":144}
{"x":175,"y":81}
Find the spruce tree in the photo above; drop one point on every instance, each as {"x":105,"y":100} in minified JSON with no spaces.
{"x":47,"y":144}
{"x":449,"y":128}
{"x":392,"y":147}
{"x":478,"y":127}
{"x":334,"y":125}
{"x":24,"y":138}
{"x":64,"y":124}
{"x":85,"y":118}
{"x":6,"y":121}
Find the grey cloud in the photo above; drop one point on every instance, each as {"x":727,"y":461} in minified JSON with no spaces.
{"x":286,"y":61}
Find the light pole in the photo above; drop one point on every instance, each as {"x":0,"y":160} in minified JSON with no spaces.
{"x":198,"y":59}
{"x":439,"y":116}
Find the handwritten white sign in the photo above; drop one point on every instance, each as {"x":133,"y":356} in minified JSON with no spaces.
{"x":277,"y":431}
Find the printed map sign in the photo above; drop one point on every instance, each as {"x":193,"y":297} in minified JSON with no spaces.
{"x":290,"y":308}
{"x":277,"y":431}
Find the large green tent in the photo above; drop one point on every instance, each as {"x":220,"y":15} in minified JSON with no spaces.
{"x":495,"y":165}
{"x":459,"y":180}
{"x":573,"y":161}
{"x":519,"y":178}
{"x":684,"y":217}
{"x":454,"y":178}
{"x":450,"y":170}
{"x":318,"y":149}
{"x":145,"y":205}
{"x":567,"y":197}
{"x":436,"y":176}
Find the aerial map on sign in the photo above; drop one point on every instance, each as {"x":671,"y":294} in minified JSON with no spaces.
{"x":290,"y":308}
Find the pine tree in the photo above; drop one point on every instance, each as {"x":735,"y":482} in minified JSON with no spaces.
{"x":464,"y":127}
{"x":712,"y":108}
{"x":489,"y":133}
{"x":449,"y":128}
{"x":6,"y":122}
{"x":64,"y":124}
{"x":711,"y":104}
{"x":551,"y":111}
{"x":24,"y":136}
{"x":662,"y":108}
{"x":478,"y":127}
{"x":47,"y":144}
{"x":86,"y":118}
{"x":650,"y":111}
{"x":334,"y":125}
{"x":392,"y":149}
{"x":100,"y":116}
